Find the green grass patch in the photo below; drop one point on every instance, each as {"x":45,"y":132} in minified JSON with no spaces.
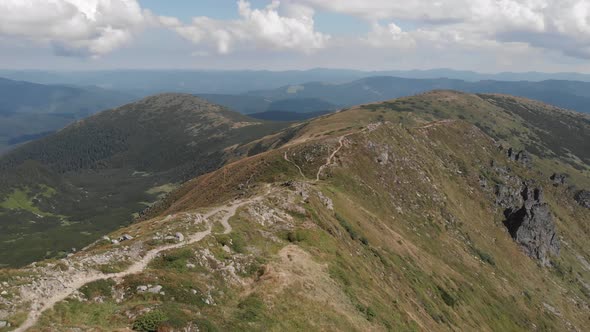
{"x":19,"y":200}
{"x":150,"y":322}
{"x":99,"y":288}
{"x":251,"y":308}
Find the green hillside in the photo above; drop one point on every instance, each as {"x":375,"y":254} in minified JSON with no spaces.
{"x":416,"y":214}
{"x":68,"y":189}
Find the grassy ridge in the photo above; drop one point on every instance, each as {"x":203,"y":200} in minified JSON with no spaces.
{"x":411,"y":240}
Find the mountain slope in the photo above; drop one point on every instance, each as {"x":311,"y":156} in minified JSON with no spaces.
{"x":28,"y":110}
{"x":566,"y":94}
{"x":388,"y":216}
{"x":65,"y":190}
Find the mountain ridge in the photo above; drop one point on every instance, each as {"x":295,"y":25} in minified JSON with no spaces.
{"x":380,"y":217}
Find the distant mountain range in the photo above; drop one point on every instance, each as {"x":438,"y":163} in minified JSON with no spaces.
{"x":145,"y":82}
{"x":29,"y":110}
{"x":566,"y":94}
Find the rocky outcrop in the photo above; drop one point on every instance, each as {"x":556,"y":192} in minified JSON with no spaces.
{"x":528,"y":219}
{"x":583,"y":198}
{"x":559,"y":179}
{"x":521,"y":156}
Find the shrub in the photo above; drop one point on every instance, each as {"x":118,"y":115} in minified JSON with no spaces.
{"x":238,"y":243}
{"x":446,"y":297}
{"x":98,"y":288}
{"x":150,"y":321}
{"x":347,"y":227}
{"x":295,"y":236}
{"x":206,"y":326}
{"x":485,"y":257}
{"x":251,"y":308}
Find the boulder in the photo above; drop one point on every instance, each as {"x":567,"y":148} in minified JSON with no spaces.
{"x":3,"y":324}
{"x":583,"y":198}
{"x":559,"y":179}
{"x":125,"y":237}
{"x":326,"y":201}
{"x":154,"y":290}
{"x":142,"y":289}
{"x":179,"y":237}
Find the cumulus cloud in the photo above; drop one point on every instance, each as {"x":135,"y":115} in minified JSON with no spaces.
{"x":73,"y":27}
{"x":560,"y":25}
{"x":390,"y":36}
{"x":260,"y":28}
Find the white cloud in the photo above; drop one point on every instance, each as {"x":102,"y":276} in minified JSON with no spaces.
{"x":263,"y":28}
{"x":390,"y":36}
{"x":93,"y":27}
{"x":558,"y":25}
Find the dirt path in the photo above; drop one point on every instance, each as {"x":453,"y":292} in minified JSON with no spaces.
{"x":436,"y":123}
{"x":292,"y":162}
{"x":331,"y":157}
{"x":41,"y":305}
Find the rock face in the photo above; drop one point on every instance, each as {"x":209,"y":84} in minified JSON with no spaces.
{"x":583,"y":198}
{"x":528,"y":219}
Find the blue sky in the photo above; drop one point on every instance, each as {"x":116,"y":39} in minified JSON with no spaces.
{"x":185,"y":10}
{"x":481,"y":35}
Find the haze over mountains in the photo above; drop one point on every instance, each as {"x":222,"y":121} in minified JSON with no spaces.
{"x":31,"y":110}
{"x":236,"y":81}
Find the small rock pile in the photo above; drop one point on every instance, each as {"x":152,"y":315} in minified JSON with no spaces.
{"x":583,"y":198}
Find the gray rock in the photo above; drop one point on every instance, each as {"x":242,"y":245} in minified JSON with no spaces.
{"x":179,"y":237}
{"x":529,"y":220}
{"x":3,"y":323}
{"x":115,"y":242}
{"x":521,"y":156}
{"x":142,"y":289}
{"x":483,"y":182}
{"x":326,"y":201}
{"x":559,"y":179}
{"x":383,"y":158}
{"x":125,"y":237}
{"x":155,"y":290}
{"x":583,"y":198}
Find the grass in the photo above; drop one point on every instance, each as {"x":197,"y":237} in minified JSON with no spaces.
{"x":402,"y":250}
{"x":19,"y":200}
{"x":99,"y":288}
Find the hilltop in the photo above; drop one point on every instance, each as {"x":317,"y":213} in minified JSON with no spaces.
{"x":29,"y":111}
{"x":420,"y":213}
{"x":68,"y":189}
